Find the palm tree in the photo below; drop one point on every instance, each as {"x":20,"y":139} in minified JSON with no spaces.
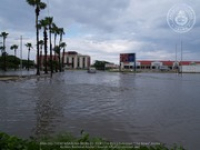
{"x":61,"y":33}
{"x":4,"y":36}
{"x":1,"y":48}
{"x":29,"y":46}
{"x":44,"y":24}
{"x":41,"y":44}
{"x":14,"y":47}
{"x":38,"y":6}
{"x":55,"y":31}
{"x":57,"y":49}
{"x":62,"y":46}
{"x":50,"y":22}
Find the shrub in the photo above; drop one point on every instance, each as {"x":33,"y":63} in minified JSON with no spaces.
{"x":68,"y":142}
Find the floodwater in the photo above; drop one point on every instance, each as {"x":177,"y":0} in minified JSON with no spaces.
{"x":120,"y":107}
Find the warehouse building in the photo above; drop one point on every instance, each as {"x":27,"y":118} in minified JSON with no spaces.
{"x":128,"y":62}
{"x":156,"y":65}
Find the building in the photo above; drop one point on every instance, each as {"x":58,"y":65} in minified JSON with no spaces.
{"x":127,"y":61}
{"x":190,"y":69}
{"x":74,"y":60}
{"x":156,"y":65}
{"x":69,"y":60}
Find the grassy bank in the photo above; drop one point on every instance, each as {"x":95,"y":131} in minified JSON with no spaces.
{"x":69,"y":142}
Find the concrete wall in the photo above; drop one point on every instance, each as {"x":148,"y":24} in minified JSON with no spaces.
{"x":156,"y":65}
{"x":195,"y":69}
{"x":128,"y":64}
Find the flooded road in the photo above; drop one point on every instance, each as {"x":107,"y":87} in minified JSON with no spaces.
{"x":142,"y":107}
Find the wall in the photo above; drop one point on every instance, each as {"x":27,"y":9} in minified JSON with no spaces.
{"x":195,"y":69}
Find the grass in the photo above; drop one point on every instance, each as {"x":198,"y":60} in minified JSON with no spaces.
{"x":66,"y":141}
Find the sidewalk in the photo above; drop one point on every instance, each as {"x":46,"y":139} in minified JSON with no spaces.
{"x":17,"y":77}
{"x":5,"y":78}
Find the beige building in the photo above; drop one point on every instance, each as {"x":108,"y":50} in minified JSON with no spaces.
{"x":74,"y":60}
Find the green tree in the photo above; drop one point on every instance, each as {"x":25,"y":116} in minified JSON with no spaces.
{"x":38,"y":6}
{"x":4,"y":35}
{"x":100,"y":65}
{"x":26,"y":64}
{"x":29,"y":46}
{"x":14,"y":47}
{"x":12,"y":62}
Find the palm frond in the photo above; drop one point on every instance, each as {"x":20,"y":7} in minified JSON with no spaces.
{"x":42,"y":5}
{"x":57,"y":49}
{"x":33,"y":2}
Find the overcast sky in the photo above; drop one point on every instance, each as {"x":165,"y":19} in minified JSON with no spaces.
{"x":105,"y":28}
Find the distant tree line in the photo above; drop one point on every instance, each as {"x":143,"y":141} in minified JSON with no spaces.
{"x":100,"y":65}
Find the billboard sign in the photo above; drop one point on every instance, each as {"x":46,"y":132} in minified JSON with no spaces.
{"x":127,"y":57}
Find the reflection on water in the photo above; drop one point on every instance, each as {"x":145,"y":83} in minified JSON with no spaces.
{"x":120,"y":107}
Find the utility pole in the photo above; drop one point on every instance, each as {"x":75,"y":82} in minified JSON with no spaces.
{"x":181,"y":58}
{"x":21,"y":55}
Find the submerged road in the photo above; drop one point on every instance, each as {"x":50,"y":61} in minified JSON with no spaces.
{"x":121,"y":107}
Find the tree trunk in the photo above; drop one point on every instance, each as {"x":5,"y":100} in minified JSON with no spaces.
{"x":4,"y":51}
{"x":45,"y":51}
{"x":59,"y":62}
{"x":55,"y":36}
{"x":37,"y":40}
{"x":63,"y":54}
{"x":28,"y":58}
{"x":51,"y":63}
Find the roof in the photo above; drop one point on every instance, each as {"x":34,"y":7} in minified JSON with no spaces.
{"x":145,"y":62}
{"x":70,"y":53}
{"x":185,"y":63}
{"x":167,"y":63}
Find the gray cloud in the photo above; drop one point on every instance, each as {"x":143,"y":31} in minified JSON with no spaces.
{"x":105,"y":28}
